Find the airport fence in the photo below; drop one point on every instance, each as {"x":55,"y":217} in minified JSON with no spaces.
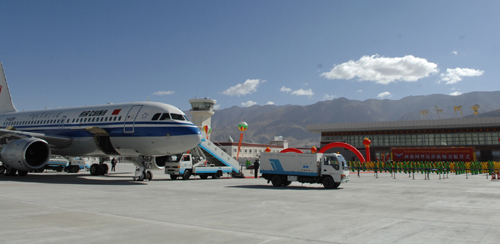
{"x":426,"y":167}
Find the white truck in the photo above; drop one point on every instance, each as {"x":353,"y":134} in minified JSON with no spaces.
{"x":329,"y":169}
{"x":184,"y":166}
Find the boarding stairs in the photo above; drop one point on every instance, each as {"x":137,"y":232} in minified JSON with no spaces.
{"x":216,"y":156}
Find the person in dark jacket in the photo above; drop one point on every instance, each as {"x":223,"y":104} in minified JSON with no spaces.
{"x":256,"y":168}
{"x":113,"y":164}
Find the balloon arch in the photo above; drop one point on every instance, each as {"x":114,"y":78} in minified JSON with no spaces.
{"x":328,"y":146}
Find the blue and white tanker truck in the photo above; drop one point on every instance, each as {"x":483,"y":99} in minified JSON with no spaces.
{"x":329,"y":169}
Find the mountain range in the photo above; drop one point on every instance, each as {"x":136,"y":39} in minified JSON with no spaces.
{"x":289,"y":121}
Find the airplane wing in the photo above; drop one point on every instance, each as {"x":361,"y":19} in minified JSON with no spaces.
{"x":54,"y":141}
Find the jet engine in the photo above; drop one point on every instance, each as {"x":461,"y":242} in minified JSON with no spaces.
{"x":26,"y":154}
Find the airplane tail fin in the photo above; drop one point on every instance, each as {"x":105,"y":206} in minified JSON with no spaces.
{"x":6,"y":104}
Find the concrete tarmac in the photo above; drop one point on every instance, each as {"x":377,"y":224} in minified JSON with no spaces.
{"x":79,"y":208}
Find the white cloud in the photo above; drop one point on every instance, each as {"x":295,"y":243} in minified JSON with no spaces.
{"x":360,"y":90}
{"x":383,"y":70}
{"x":270,"y":103}
{"x":248,"y":104}
{"x":217,"y":106}
{"x":248,"y":87}
{"x":299,"y":92}
{"x":455,"y":75}
{"x":302,"y":92}
{"x":285,"y":89}
{"x":457,"y":93}
{"x":163,"y":93}
{"x":384,"y":95}
{"x":329,"y":97}
{"x":455,"y":52}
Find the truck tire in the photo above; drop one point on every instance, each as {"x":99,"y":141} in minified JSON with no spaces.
{"x":2,"y":169}
{"x":173,"y":177}
{"x":328,"y":182}
{"x":204,"y":176}
{"x":22,"y":172}
{"x":217,"y":175}
{"x":287,"y":183}
{"x":336,"y":185}
{"x":149,"y":175}
{"x":277,"y":181}
{"x":186,"y":175}
{"x":73,"y":169}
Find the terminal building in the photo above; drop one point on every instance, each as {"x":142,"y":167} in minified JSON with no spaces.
{"x":483,"y":134}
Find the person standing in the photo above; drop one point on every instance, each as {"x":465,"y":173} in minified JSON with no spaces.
{"x":256,"y":168}
{"x":113,"y":164}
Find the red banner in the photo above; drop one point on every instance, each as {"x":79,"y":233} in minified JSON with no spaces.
{"x":465,"y":154}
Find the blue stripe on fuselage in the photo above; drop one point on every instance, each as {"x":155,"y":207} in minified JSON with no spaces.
{"x":115,"y":129}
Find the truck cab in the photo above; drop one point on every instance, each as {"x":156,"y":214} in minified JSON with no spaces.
{"x":335,"y":165}
{"x":176,"y":165}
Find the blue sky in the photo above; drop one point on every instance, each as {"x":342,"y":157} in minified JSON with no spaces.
{"x":75,"y":53}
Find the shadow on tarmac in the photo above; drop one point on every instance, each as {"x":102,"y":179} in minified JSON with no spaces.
{"x":290,"y":188}
{"x":75,"y":179}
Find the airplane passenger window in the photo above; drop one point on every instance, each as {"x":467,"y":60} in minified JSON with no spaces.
{"x":156,"y":116}
{"x":73,"y":121}
{"x":114,"y":119}
{"x":120,"y":118}
{"x":165,"y":116}
{"x":93,"y":119}
{"x":177,"y":116}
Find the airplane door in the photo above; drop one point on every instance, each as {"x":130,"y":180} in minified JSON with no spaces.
{"x":128,"y":127}
{"x":61,"y":122}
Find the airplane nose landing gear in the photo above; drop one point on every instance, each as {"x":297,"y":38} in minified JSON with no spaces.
{"x":142,"y":174}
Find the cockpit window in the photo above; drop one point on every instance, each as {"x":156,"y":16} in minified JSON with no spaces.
{"x":177,"y":116}
{"x":186,"y":118}
{"x":165,"y":116}
{"x":156,"y":116}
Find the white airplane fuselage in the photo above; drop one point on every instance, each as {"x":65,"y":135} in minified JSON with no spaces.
{"x":129,"y":129}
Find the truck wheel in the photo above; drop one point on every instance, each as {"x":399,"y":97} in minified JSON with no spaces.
{"x":149,"y":175}
{"x":75,"y":169}
{"x":2,"y":169}
{"x":186,"y":175}
{"x":204,"y":176}
{"x":287,"y":183}
{"x":328,"y":182}
{"x":94,"y":169}
{"x":277,"y":181}
{"x":22,"y":172}
{"x":336,"y":185}
{"x":173,"y":177}
{"x":216,"y":175}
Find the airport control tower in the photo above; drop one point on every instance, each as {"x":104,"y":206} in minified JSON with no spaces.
{"x":202,"y":111}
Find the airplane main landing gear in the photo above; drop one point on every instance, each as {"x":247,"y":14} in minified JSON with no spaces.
{"x":99,"y":169}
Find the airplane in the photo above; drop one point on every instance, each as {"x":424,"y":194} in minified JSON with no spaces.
{"x":147,"y":132}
